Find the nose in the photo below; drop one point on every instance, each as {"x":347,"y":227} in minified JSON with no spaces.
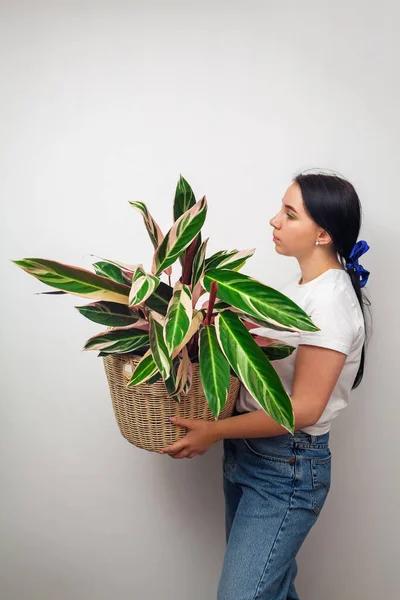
{"x":274,"y":222}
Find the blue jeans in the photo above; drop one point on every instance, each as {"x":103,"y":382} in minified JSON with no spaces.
{"x":274,"y":491}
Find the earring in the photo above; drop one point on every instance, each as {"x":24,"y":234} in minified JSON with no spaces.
{"x":317,"y":243}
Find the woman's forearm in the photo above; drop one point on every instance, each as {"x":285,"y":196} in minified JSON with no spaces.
{"x":258,"y":424}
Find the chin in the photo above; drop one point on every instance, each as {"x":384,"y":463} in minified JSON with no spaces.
{"x":282,"y":251}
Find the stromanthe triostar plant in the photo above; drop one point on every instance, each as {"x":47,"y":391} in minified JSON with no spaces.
{"x":161,"y":322}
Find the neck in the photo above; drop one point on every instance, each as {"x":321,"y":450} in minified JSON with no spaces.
{"x":314,"y":265}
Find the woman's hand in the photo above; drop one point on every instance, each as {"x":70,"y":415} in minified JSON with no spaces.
{"x":201,"y":435}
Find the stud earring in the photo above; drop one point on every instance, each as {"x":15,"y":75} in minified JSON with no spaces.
{"x":317,"y":243}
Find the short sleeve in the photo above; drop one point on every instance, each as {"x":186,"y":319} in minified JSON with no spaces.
{"x":332,"y":311}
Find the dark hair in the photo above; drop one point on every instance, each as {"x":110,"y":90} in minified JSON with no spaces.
{"x":333,"y":203}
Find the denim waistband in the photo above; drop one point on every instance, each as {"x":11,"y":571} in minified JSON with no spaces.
{"x":300,"y":438}
{"x":305,"y":440}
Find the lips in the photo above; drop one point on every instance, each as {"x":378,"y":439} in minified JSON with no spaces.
{"x":274,"y":237}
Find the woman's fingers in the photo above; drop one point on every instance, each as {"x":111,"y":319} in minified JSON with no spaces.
{"x":185,"y":454}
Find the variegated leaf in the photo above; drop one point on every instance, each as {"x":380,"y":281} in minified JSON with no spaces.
{"x":197,"y":319}
{"x":198,"y":264}
{"x":181,"y":234}
{"x":221,"y":306}
{"x":229,"y":259}
{"x":188,"y":383}
{"x":158,"y":348}
{"x":257,"y":300}
{"x":74,"y":280}
{"x":143,"y":286}
{"x":197,"y":292}
{"x":160,"y":298}
{"x":171,"y":383}
{"x":145,"y":369}
{"x":277,"y":351}
{"x":254,"y":369}
{"x":214,"y":369}
{"x":148,"y":367}
{"x":184,"y":198}
{"x":154,"y":231}
{"x":179,"y":316}
{"x":182,"y":374}
{"x":113,"y":272}
{"x":128,"y":269}
{"x":121,"y":340}
{"x":112,"y":314}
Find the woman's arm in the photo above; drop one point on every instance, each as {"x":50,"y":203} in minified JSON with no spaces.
{"x":317,"y":370}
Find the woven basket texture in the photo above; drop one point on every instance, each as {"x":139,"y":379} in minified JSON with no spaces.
{"x":142,"y":411}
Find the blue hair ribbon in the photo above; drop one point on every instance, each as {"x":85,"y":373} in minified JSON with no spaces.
{"x":358,"y":250}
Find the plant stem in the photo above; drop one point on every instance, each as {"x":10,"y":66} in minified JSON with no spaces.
{"x":211,"y":302}
{"x":187,"y":269}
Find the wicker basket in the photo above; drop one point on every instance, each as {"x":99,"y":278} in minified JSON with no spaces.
{"x":142,"y":411}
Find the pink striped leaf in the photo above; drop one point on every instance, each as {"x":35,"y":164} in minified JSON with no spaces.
{"x":181,"y":234}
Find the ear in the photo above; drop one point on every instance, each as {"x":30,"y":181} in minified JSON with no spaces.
{"x":324,"y":238}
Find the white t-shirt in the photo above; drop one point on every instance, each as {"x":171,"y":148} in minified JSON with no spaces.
{"x":332,"y":304}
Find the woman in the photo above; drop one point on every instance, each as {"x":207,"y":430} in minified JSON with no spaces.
{"x":276,"y":484}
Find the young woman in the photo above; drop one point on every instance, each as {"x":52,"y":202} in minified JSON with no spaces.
{"x":276,"y":484}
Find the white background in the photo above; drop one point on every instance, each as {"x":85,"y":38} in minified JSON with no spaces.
{"x":106,"y":102}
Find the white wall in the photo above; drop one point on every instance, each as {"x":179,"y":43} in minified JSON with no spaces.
{"x":105,"y":102}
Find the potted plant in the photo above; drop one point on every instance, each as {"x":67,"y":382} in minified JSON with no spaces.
{"x":165,"y":356}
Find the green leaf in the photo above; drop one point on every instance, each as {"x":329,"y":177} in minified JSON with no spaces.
{"x":254,"y":369}
{"x":181,"y":234}
{"x":143,"y":286}
{"x":197,"y":319}
{"x":153,"y":229}
{"x":171,"y":384}
{"x":198,"y":263}
{"x":155,"y":233}
{"x":179,"y":317}
{"x":258,"y":300}
{"x":184,"y":198}
{"x":113,"y":272}
{"x":111,"y":314}
{"x":74,"y":280}
{"x":228,"y":259}
{"x":277,"y":351}
{"x":119,"y":341}
{"x":145,"y":369}
{"x":160,"y":298}
{"x":155,"y":378}
{"x":214,"y":369}
{"x":221,"y":306}
{"x":158,"y":348}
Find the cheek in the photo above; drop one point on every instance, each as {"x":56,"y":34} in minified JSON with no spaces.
{"x":299,"y":236}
